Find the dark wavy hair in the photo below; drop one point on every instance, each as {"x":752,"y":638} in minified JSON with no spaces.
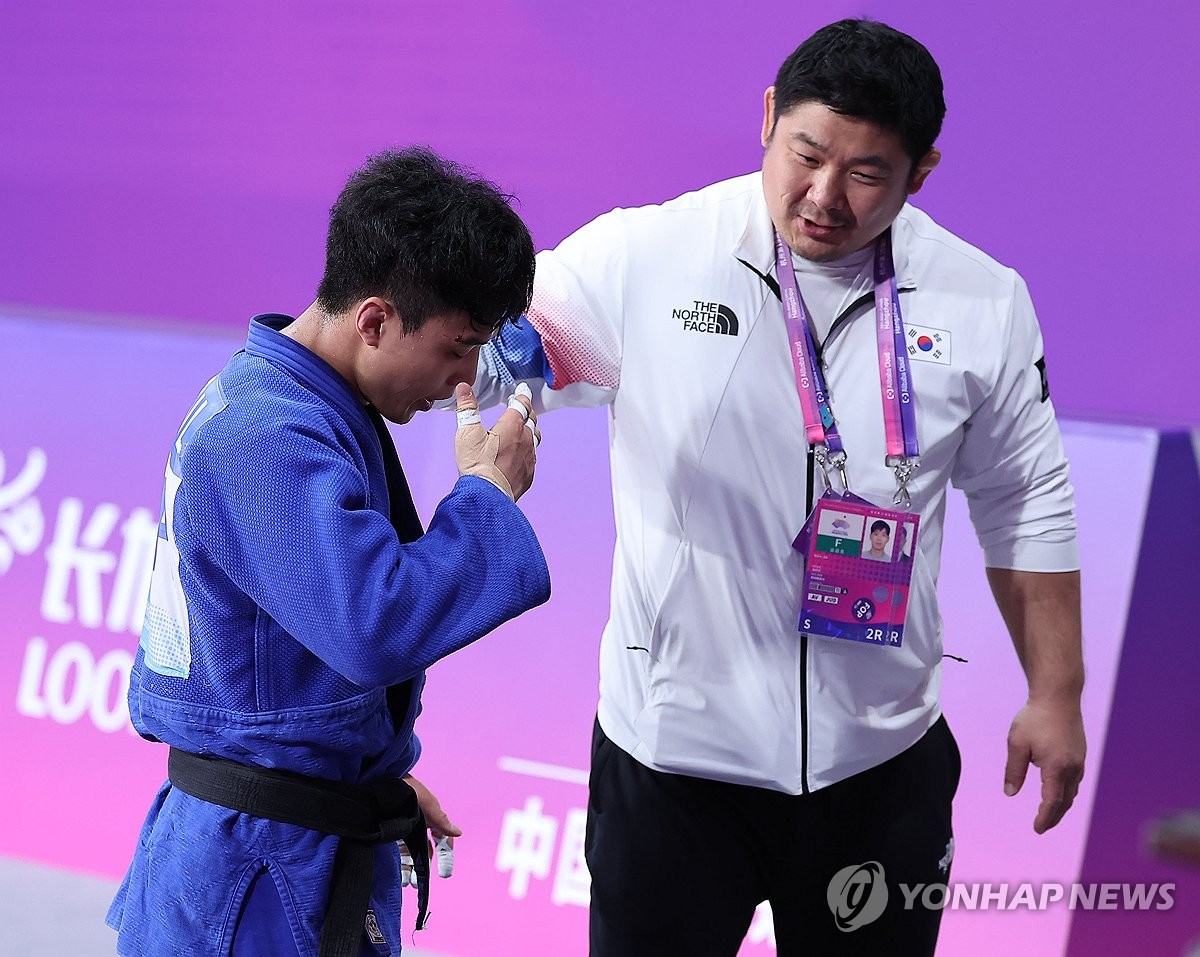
{"x":430,"y":238}
{"x":866,"y":69}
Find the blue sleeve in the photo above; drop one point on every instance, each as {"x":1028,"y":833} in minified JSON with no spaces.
{"x":517,"y":353}
{"x":283,"y":512}
{"x":513,"y":355}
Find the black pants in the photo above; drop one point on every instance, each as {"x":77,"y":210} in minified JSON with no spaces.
{"x":679,"y":864}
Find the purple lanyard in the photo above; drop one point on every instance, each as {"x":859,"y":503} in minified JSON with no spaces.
{"x":819,"y":423}
{"x":899,"y":415}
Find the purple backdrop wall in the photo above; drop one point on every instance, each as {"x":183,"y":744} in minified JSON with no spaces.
{"x":177,"y":160}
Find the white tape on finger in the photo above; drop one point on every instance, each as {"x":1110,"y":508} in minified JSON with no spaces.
{"x":408,"y":871}
{"x":445,"y":856}
{"x":468,"y":417}
{"x":518,"y":406}
{"x":532,"y":427}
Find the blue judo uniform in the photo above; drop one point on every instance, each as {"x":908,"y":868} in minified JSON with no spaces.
{"x":294,"y":607}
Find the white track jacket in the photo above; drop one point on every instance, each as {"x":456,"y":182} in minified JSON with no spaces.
{"x":667,"y":314}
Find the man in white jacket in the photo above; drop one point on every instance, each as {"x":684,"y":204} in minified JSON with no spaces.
{"x":738,"y":758}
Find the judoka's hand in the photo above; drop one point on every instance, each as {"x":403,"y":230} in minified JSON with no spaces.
{"x":505,"y":455}
{"x":443,"y":851}
{"x":443,"y":830}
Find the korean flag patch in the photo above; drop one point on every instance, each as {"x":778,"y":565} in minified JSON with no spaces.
{"x":926,"y":344}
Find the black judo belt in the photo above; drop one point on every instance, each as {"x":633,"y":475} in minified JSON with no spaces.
{"x":362,"y":815}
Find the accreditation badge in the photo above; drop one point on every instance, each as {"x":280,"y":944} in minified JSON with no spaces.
{"x":857,"y":568}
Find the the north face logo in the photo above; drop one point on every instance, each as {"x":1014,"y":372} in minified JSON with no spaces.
{"x":707,"y":317}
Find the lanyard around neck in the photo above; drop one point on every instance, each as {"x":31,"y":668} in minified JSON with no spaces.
{"x":895,"y":381}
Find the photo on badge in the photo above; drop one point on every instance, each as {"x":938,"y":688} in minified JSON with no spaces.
{"x":877,"y":543}
{"x":905,"y":543}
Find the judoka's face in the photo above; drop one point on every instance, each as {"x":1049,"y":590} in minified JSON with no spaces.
{"x":879,"y":539}
{"x":405,"y":373}
{"x":833,"y":183}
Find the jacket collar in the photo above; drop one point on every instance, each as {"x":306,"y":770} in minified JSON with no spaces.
{"x":267,"y":340}
{"x":756,"y":244}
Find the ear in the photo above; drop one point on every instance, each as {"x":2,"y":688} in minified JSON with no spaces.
{"x":924,"y":168}
{"x":768,"y":115}
{"x":370,"y":316}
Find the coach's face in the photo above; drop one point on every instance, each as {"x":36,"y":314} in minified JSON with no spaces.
{"x":833,"y":183}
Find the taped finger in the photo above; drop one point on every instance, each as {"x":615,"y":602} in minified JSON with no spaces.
{"x":408,"y":873}
{"x":469,"y":417}
{"x":445,"y":856}
{"x":518,"y":406}
{"x":531,"y":425}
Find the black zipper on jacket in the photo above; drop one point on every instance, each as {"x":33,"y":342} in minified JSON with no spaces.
{"x":844,"y":317}
{"x":864,"y":299}
{"x":811,"y":459}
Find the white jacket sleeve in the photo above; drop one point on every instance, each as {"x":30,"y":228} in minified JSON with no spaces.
{"x":568,"y":345}
{"x":1011,"y":464}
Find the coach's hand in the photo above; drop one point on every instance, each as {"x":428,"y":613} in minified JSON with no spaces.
{"x":1048,"y":735}
{"x":504,"y":455}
